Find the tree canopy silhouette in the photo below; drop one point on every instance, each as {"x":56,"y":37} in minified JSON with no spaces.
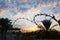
{"x":5,"y":24}
{"x":46,"y":23}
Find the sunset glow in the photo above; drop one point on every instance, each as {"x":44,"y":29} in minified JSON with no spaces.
{"x":13,"y":9}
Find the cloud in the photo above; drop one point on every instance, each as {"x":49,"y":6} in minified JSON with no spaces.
{"x":24,"y":5}
{"x":57,"y":8}
{"x":28,"y":8}
{"x":28,"y":13}
{"x":57,"y":16}
{"x":25,"y":25}
{"x":3,"y":4}
{"x":14,"y":9}
{"x":0,"y":12}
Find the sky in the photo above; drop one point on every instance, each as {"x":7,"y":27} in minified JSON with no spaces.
{"x":14,"y":9}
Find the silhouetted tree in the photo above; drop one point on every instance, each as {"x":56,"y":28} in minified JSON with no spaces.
{"x":5,"y":25}
{"x":48,"y":33}
{"x":46,"y":23}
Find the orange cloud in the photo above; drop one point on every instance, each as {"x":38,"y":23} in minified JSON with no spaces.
{"x":2,"y":11}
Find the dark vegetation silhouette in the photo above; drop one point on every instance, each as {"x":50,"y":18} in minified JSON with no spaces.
{"x":46,"y":23}
{"x":43,"y":34}
{"x":5,"y":24}
{"x":48,"y":33}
